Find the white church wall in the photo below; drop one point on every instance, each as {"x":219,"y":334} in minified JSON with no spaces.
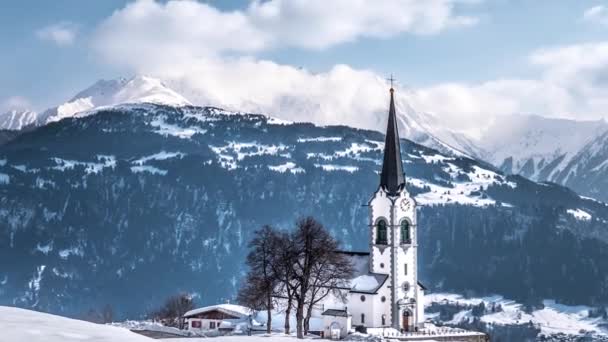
{"x":382,"y":308}
{"x":360,"y":307}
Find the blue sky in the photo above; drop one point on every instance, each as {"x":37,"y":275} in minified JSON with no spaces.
{"x":43,"y":69}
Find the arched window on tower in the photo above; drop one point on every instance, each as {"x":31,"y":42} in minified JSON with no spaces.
{"x":381,"y":233}
{"x":405,"y":232}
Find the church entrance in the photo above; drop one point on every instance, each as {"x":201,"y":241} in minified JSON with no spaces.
{"x":406,"y":320}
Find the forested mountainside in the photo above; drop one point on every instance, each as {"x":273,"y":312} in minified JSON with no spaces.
{"x":136,"y":202}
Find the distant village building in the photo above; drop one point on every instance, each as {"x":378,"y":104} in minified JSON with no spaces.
{"x":385,"y":291}
{"x":223,"y":317}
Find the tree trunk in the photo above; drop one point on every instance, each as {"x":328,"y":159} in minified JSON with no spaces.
{"x":269,"y":312}
{"x":299,"y":319}
{"x":287,"y":314}
{"x":307,"y":319}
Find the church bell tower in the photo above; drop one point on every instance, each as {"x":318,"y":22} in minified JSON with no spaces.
{"x":393,"y":243}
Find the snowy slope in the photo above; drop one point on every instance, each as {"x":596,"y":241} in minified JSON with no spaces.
{"x":17,"y":119}
{"x":552,"y":319}
{"x":25,"y":325}
{"x":140,"y":89}
{"x":534,"y":146}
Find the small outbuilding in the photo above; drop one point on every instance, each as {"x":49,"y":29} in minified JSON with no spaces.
{"x":336,"y":323}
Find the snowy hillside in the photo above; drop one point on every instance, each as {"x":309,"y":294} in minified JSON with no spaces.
{"x":17,"y":119}
{"x":25,"y":325}
{"x":536,"y":147}
{"x":548,"y":318}
{"x":542,"y":149}
{"x":96,"y":204}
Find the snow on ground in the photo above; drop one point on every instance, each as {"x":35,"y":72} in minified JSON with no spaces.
{"x":24,"y":325}
{"x":248,"y":149}
{"x":150,"y":326}
{"x":319,"y":139}
{"x":166,"y":129}
{"x":332,"y":167}
{"x":289,"y":166}
{"x":275,"y":338}
{"x":90,"y":167}
{"x":552,"y":319}
{"x":162,"y":155}
{"x":464,"y":192}
{"x":150,"y":169}
{"x":579,"y":214}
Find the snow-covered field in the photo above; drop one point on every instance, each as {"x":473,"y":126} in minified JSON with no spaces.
{"x":554,"y":318}
{"x":17,"y":325}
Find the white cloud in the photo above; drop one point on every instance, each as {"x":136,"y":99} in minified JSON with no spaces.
{"x":319,"y":24}
{"x":597,"y":14}
{"x":15,"y":102}
{"x":62,"y":33}
{"x":180,"y":30}
{"x":202,"y":52}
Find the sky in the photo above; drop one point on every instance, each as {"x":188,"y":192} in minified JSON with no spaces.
{"x":464,"y":60}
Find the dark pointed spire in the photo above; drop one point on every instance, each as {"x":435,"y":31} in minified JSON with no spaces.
{"x":392,"y":178}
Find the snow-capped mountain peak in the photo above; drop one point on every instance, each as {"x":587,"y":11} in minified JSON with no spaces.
{"x":16,"y":119}
{"x":139,"y":89}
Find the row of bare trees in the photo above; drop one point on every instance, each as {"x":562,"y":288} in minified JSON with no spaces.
{"x":294,"y":270}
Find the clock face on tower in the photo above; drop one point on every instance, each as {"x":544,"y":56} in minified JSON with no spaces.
{"x":405,"y":204}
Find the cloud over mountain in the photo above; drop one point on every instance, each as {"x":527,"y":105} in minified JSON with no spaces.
{"x":216,"y":57}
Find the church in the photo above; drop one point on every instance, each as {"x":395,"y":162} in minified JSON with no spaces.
{"x":385,"y":291}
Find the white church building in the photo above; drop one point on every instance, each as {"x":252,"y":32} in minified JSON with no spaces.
{"x":385,"y":291}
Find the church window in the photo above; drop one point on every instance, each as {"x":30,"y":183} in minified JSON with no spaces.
{"x":362,"y":318}
{"x":363,"y":298}
{"x":405,"y":269}
{"x":383,"y":299}
{"x":381,"y":265}
{"x":383,"y":319}
{"x":405,"y":231}
{"x":381,"y":233}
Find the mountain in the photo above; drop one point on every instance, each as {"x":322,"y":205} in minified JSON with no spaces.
{"x":136,"y":202}
{"x":536,"y":147}
{"x":16,"y":119}
{"x":139,"y":89}
{"x":567,"y":152}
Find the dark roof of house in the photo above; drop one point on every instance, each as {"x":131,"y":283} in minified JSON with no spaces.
{"x":422,"y":286}
{"x":353,"y":253}
{"x":392,"y":178}
{"x":335,"y":313}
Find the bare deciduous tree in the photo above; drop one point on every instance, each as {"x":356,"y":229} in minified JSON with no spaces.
{"x":173,"y":310}
{"x":329,"y":275}
{"x":315,"y":269}
{"x":285,"y":257}
{"x":301,"y":267}
{"x":261,"y":282}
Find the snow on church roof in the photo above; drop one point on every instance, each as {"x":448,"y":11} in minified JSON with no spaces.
{"x":230,"y":309}
{"x":363,"y":280}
